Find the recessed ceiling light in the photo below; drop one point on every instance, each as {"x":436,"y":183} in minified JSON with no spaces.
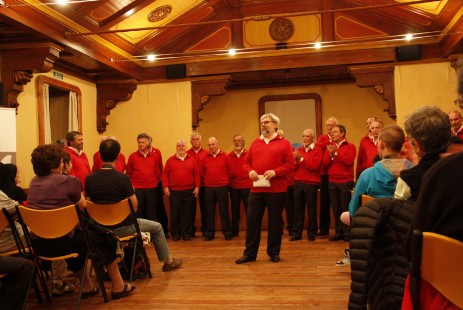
{"x":231,"y":52}
{"x":317,"y":45}
{"x":151,"y":57}
{"x":408,"y":36}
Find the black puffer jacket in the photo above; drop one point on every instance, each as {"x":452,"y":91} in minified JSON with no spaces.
{"x":378,"y":262}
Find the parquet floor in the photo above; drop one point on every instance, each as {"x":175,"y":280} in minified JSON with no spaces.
{"x":306,"y":278}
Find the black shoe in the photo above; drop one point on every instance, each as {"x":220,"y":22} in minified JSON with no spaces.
{"x":311,"y":238}
{"x":228,"y":238}
{"x":294,"y":238}
{"x":245,"y":259}
{"x":208,"y":238}
{"x":235,"y":234}
{"x":337,"y":237}
{"x":275,"y":258}
{"x":322,"y":233}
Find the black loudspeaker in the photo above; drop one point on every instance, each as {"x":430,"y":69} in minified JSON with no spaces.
{"x":177,"y":71}
{"x":2,"y":95}
{"x":408,"y":52}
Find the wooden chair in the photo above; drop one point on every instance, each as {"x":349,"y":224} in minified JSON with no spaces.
{"x":115,"y":213}
{"x":55,"y":223}
{"x":365,"y":198}
{"x":436,"y":259}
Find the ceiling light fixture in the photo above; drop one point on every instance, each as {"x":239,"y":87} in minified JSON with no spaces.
{"x":232,"y":52}
{"x":317,"y":45}
{"x":151,"y":57}
{"x":408,"y":36}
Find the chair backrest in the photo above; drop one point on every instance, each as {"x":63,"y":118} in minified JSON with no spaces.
{"x":365,"y":198}
{"x":440,"y":265}
{"x":109,"y":214}
{"x":3,"y":221}
{"x":49,"y":224}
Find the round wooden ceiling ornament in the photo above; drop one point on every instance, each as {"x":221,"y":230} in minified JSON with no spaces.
{"x":281,"y":29}
{"x":159,"y":13}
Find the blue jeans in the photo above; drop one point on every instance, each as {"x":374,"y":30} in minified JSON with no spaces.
{"x":157,"y":236}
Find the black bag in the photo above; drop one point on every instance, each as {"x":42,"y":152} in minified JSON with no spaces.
{"x":139,"y":270}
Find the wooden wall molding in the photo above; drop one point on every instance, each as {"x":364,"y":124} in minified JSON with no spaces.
{"x":20,"y":62}
{"x":109,"y":93}
{"x":201,"y":92}
{"x":381,"y":78}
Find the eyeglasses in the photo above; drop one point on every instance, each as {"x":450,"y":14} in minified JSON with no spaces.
{"x":266,"y":122}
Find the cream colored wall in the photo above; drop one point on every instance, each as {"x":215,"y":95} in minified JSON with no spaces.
{"x":237,"y":111}
{"x":425,"y":84}
{"x":27,"y":122}
{"x":161,"y":110}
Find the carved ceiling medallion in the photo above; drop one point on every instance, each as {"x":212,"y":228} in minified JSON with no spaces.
{"x":159,"y":13}
{"x":281,"y":29}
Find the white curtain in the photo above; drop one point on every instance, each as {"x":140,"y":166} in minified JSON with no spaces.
{"x":73,"y":122}
{"x":46,"y":114}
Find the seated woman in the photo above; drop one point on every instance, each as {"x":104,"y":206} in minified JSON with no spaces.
{"x":50,"y":189}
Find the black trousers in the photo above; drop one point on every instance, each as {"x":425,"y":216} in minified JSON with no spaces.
{"x":147,"y":203}
{"x":182,"y":205}
{"x":257,"y":203}
{"x":325,"y":220}
{"x":13,"y":287}
{"x":289,"y":209}
{"x":202,"y":210}
{"x":161,"y":213}
{"x":340,"y":197}
{"x":217,"y":195}
{"x":238,"y":195}
{"x":305,"y":195}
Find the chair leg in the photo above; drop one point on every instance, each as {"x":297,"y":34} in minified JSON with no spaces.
{"x":99,"y":277}
{"x":43,"y":282}
{"x":145,"y":261}
{"x":133,"y":261}
{"x":82,"y":280}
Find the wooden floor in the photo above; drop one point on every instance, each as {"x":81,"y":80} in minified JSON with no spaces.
{"x":306,"y":278}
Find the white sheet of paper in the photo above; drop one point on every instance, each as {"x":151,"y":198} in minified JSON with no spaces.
{"x":262,"y":182}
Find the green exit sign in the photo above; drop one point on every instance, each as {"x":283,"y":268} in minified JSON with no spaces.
{"x":58,"y":76}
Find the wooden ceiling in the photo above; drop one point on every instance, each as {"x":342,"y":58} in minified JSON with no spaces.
{"x":95,"y":39}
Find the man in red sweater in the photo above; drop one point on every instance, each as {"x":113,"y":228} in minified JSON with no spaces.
{"x":307,"y":180}
{"x":199,"y":153}
{"x":269,"y":160}
{"x":80,"y":164}
{"x":368,"y":149}
{"x":216,"y":170}
{"x":325,"y":216}
{"x":339,"y":157}
{"x":180,"y":179}
{"x":98,"y":163}
{"x":457,"y":123}
{"x":240,"y":184}
{"x":143,"y":169}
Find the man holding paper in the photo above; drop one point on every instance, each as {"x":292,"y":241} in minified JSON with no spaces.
{"x":269,"y":159}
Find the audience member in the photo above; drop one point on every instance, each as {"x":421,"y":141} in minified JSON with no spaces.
{"x":9,"y":183}
{"x":216,"y":169}
{"x":240,"y":184}
{"x":199,"y":153}
{"x":98,"y":163}
{"x":181,"y":184}
{"x":456,"y":123}
{"x":325,"y":209}
{"x":308,"y":160}
{"x":367,"y":147}
{"x":80,"y":164}
{"x":108,"y":185}
{"x":428,"y":130}
{"x":339,"y":157}
{"x":14,"y":286}
{"x":268,"y":161}
{"x":50,"y":189}
{"x":143,"y":167}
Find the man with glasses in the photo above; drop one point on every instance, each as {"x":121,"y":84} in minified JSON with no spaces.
{"x":269,"y":160}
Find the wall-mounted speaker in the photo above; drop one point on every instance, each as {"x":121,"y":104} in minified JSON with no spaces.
{"x":408,"y":52}
{"x":177,"y":71}
{"x":2,"y":95}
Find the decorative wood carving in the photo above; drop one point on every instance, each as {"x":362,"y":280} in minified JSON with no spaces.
{"x":381,"y":78}
{"x":201,"y":92}
{"x":18,"y":63}
{"x":109,"y":93}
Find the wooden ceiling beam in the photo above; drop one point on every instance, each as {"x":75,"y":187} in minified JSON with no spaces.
{"x":453,"y":42}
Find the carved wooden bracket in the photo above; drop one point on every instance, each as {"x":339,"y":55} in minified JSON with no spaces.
{"x":201,"y":92}
{"x":381,"y":78}
{"x":109,"y":93}
{"x":18,"y":64}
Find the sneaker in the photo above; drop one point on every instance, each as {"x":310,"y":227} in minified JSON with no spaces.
{"x":345,"y":261}
{"x":61,"y":288}
{"x":175,"y":264}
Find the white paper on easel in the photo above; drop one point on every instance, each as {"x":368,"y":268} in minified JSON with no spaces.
{"x":262,"y":182}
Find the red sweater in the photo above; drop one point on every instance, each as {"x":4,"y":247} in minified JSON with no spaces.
{"x":160,"y":165}
{"x":180,"y":174}
{"x":80,"y":165}
{"x":341,"y":167}
{"x":277,"y":155}
{"x":239,"y":178}
{"x":322,"y":142}
{"x":308,"y":168}
{"x":144,"y":171}
{"x":199,"y":157}
{"x":367,"y":152}
{"x":216,"y":170}
{"x":98,"y":163}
